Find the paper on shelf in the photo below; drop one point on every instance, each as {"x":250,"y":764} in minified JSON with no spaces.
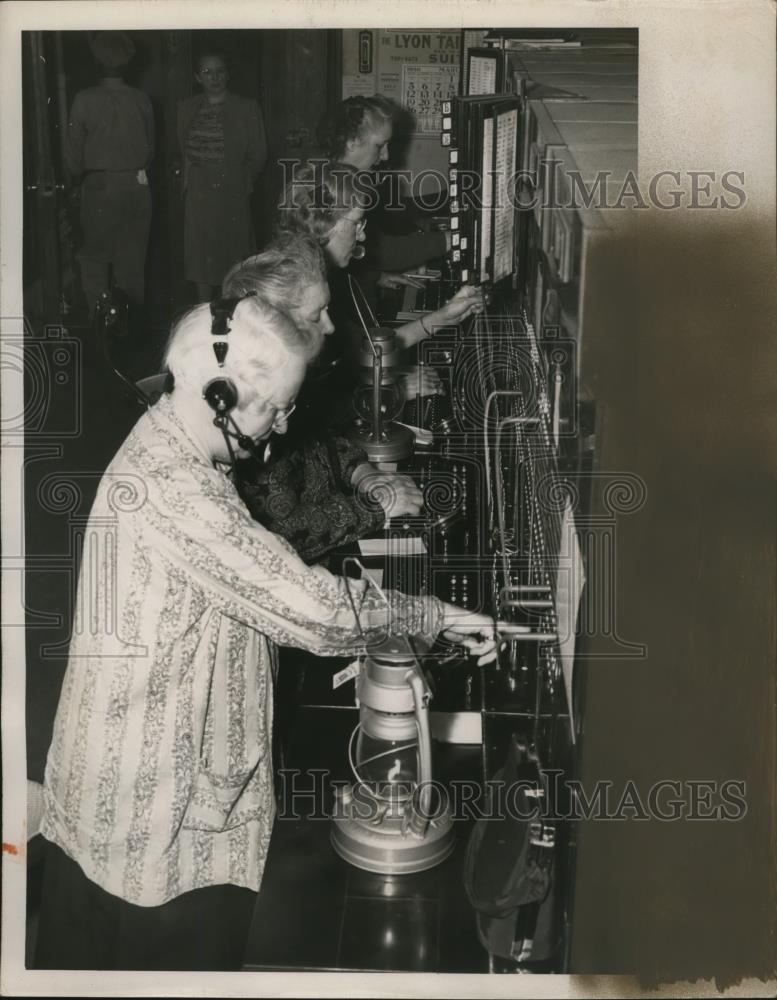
{"x":421,"y":435}
{"x":409,"y":545}
{"x":375,"y":574}
{"x":570,"y":581}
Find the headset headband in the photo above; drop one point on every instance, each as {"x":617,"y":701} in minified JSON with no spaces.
{"x":221,"y":393}
{"x":221,"y":311}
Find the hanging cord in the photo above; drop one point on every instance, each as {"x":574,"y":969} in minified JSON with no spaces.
{"x":367,"y":577}
{"x":486,"y":449}
{"x":223,"y":421}
{"x":409,"y":640}
{"x":106,"y":315}
{"x":370,"y":583}
{"x":353,"y":285}
{"x":501,"y":522}
{"x":353,"y":605}
{"x":377,"y":355}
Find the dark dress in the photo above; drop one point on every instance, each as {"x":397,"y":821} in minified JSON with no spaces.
{"x":326,"y":401}
{"x":305,"y":495}
{"x":305,"y":492}
{"x":224,"y":149}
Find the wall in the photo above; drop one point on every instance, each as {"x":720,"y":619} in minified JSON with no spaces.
{"x":408,"y":65}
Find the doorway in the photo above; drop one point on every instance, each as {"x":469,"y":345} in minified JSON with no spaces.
{"x":293,"y":74}
{"x":300,"y":81}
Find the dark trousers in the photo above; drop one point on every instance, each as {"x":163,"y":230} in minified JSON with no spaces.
{"x":116,"y":221}
{"x":83,"y":927}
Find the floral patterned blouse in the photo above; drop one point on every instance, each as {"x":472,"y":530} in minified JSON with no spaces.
{"x":159,"y":777}
{"x":305,"y":495}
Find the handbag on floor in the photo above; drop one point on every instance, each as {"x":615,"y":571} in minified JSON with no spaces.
{"x":508,"y":867}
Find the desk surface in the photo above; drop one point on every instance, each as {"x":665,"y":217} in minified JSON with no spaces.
{"x":316,"y":912}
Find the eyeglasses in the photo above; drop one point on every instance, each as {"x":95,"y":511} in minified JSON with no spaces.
{"x":213,"y":72}
{"x":359,"y":225}
{"x":281,"y":416}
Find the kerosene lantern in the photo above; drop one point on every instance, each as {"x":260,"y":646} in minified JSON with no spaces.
{"x":390,"y":821}
{"x":380,"y":398}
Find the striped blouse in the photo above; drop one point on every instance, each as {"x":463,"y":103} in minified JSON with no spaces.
{"x":205,"y":141}
{"x":159,"y":777}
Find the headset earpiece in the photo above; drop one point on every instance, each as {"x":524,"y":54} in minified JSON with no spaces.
{"x":221,"y":395}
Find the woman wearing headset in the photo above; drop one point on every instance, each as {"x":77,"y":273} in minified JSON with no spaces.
{"x":158,"y":794}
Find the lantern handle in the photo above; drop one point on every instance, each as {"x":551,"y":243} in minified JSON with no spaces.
{"x":417,"y":669}
{"x":420,"y":819}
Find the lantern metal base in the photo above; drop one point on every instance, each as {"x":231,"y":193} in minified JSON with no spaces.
{"x":386,"y":850}
{"x":396,"y":442}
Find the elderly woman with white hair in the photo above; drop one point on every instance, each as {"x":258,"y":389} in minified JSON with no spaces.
{"x":158,"y":788}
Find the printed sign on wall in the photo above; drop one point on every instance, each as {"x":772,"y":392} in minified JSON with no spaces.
{"x":420,"y":69}
{"x":424,"y":88}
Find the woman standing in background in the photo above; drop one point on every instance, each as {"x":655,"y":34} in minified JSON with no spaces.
{"x":224,"y":149}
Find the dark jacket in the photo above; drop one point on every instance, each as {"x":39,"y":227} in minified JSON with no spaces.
{"x":245,"y":142}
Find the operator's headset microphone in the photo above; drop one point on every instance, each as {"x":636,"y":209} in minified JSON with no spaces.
{"x":221,"y":393}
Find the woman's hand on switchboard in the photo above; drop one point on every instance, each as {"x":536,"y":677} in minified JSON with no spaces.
{"x":397,"y":494}
{"x":477,"y":633}
{"x":391,"y":279}
{"x":420,"y":380}
{"x":465,"y":302}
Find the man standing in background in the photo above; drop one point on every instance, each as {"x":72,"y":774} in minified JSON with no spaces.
{"x":110,"y":144}
{"x":223,"y":150}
